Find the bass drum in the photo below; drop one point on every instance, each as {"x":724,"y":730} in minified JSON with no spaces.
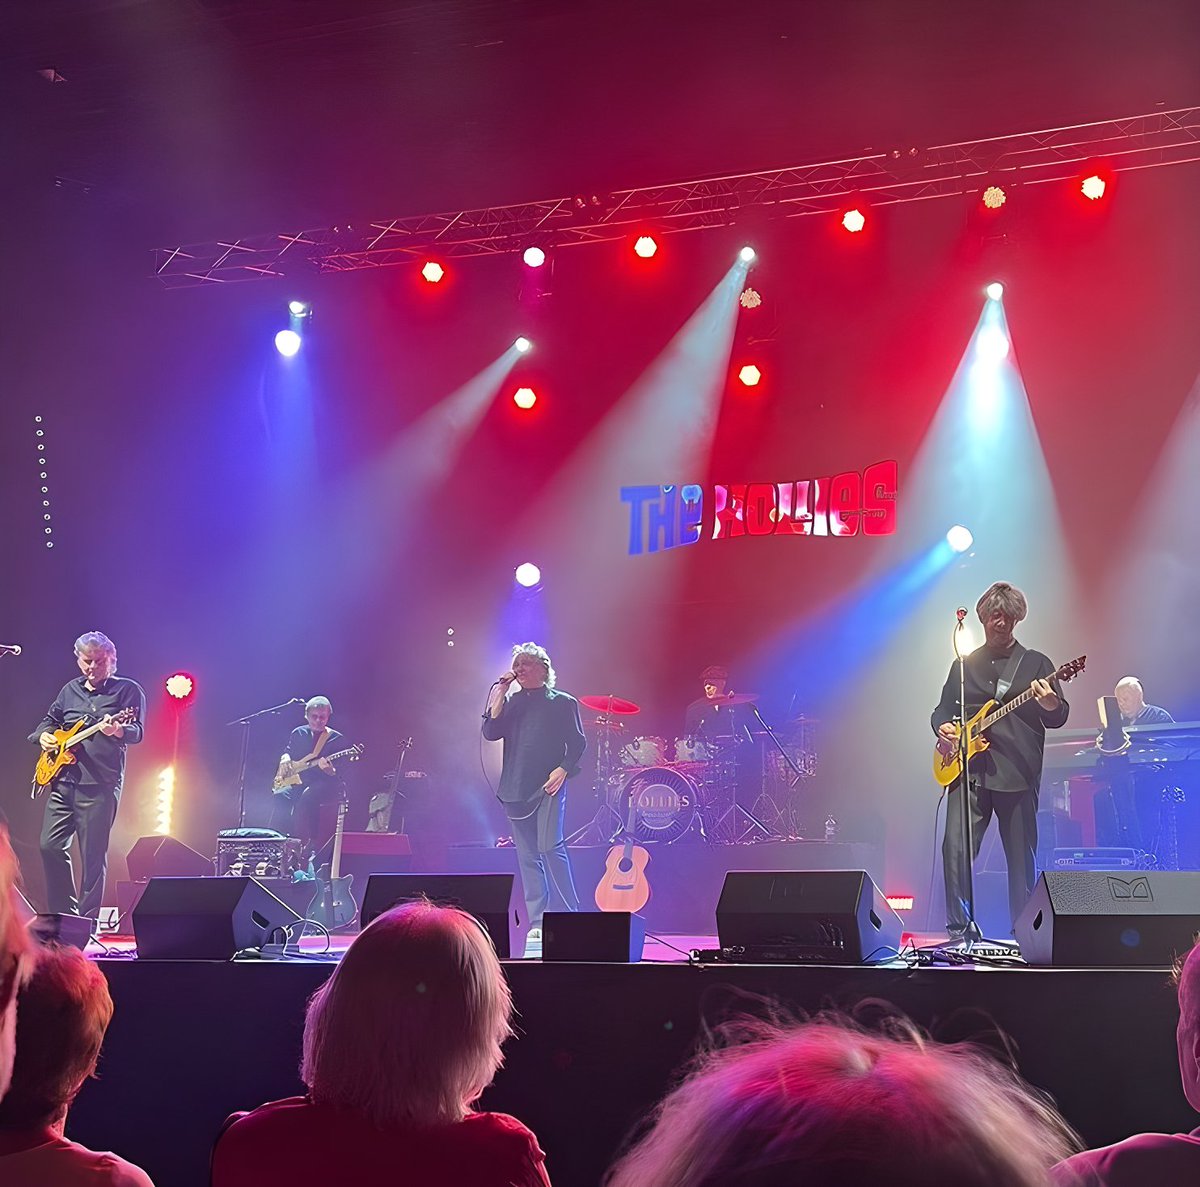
{"x":662,"y":804}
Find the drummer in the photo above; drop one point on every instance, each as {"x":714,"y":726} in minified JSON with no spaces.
{"x":713,"y":716}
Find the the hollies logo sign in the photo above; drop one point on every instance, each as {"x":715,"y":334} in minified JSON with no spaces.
{"x":847,"y":504}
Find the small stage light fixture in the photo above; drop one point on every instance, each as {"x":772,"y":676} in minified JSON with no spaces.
{"x":287,"y":342}
{"x":994,"y":291}
{"x":1092,"y":187}
{"x":854,"y":220}
{"x":299,"y":308}
{"x":524,"y":397}
{"x":750,"y":375}
{"x":747,"y":255}
{"x":534,"y":257}
{"x":994,"y":197}
{"x":645,"y":246}
{"x":528,"y":574}
{"x":959,"y":538}
{"x":750,"y":298}
{"x":432,"y":271}
{"x":180,"y":686}
{"x":522,"y":345}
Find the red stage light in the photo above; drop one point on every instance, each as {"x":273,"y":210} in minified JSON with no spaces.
{"x":180,"y":686}
{"x":994,"y":197}
{"x":854,"y":220}
{"x":525,"y":398}
{"x":645,"y":246}
{"x":1093,"y":186}
{"x":432,"y":271}
{"x":750,"y":375}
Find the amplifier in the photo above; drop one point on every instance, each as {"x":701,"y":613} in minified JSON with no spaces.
{"x":1107,"y":858}
{"x":258,"y":857}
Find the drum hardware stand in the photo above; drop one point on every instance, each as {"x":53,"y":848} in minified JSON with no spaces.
{"x":606,"y":825}
{"x":723,"y":833}
{"x":787,"y":827}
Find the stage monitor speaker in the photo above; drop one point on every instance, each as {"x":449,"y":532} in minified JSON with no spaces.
{"x":165,"y":857}
{"x":1093,"y":918}
{"x":609,"y":937}
{"x":806,"y":916}
{"x":489,"y":897}
{"x":206,"y":918}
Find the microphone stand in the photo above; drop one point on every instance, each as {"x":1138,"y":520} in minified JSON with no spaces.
{"x":793,"y":833}
{"x":972,"y":935}
{"x":245,"y":723}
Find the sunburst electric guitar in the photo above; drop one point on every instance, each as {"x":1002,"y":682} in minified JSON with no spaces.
{"x":948,"y":754}
{"x":51,"y":762}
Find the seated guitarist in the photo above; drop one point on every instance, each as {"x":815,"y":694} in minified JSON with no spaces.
{"x":83,"y":797}
{"x":1006,"y":776}
{"x":297,"y":809}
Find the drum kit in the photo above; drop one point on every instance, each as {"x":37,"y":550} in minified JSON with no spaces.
{"x":696,"y":785}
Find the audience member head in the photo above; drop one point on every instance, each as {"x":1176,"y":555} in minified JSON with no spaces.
{"x":14,"y":957}
{"x":1187,"y":1034}
{"x":63,"y":1011}
{"x":409,"y":1028}
{"x":828,"y":1104}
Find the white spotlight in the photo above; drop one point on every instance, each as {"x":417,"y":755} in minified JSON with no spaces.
{"x":534,"y":257}
{"x":747,"y":255}
{"x":299,"y":308}
{"x":959,"y":538}
{"x":528,"y":574}
{"x":287,"y":342}
{"x":522,"y":346}
{"x":995,"y":291}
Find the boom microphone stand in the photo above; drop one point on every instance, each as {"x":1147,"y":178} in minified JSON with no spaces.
{"x":245,"y":723}
{"x":972,"y":935}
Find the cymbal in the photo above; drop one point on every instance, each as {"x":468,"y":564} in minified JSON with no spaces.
{"x":736,"y":698}
{"x":609,"y":704}
{"x":603,"y":723}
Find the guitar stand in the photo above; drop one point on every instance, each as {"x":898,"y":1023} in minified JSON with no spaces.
{"x":604,"y":828}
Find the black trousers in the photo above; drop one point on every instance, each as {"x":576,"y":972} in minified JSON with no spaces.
{"x":87,"y":811}
{"x":1016,"y":814}
{"x":296,"y":811}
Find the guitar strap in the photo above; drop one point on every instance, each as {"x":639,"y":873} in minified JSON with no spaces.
{"x":316,"y":751}
{"x":1010,"y":671}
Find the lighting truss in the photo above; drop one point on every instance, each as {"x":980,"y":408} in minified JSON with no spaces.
{"x":912,"y":174}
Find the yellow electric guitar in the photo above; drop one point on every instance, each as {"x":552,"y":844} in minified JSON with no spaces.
{"x":51,"y":762}
{"x":948,"y":754}
{"x":289,"y":772}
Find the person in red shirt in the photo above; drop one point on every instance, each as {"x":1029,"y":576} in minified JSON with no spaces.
{"x":398,"y":1046}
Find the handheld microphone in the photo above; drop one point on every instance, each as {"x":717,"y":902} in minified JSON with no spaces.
{"x":961,"y":613}
{"x":10,"y":649}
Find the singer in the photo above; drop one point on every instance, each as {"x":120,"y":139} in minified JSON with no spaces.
{"x":83,"y":798}
{"x":543,"y":743}
{"x":296,"y":810}
{"x":1005,"y":778}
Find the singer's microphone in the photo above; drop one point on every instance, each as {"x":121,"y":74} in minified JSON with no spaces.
{"x":10,"y":649}
{"x":961,"y":612}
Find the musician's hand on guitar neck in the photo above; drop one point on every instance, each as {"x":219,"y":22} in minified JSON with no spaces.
{"x":557,"y":778}
{"x":1045,"y":696}
{"x":110,"y":728}
{"x":325,"y":765}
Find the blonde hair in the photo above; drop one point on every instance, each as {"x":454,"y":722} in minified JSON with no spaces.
{"x":14,"y":956}
{"x":409,"y":1028}
{"x":63,"y":1011}
{"x":538,"y":653}
{"x":829,"y":1104}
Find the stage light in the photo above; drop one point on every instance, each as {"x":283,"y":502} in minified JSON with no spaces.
{"x":528,"y":574}
{"x":959,"y":538}
{"x":287,"y":342}
{"x":180,"y":686}
{"x":165,"y":800}
{"x":645,"y":246}
{"x":534,"y":257}
{"x":854,"y":221}
{"x":994,"y":291}
{"x":900,"y":902}
{"x":299,"y":308}
{"x":1093,"y":187}
{"x":524,"y":397}
{"x":432,"y":271}
{"x":522,"y":346}
{"x":994,"y":197}
{"x":992,"y":345}
{"x":747,"y":255}
{"x":750,"y":375}
{"x":750,"y":298}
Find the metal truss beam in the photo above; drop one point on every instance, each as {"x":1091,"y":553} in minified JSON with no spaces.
{"x":1150,"y":141}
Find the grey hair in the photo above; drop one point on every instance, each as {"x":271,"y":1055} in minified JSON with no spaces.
{"x":409,"y":1029}
{"x":318,"y":703}
{"x":95,"y":639}
{"x":538,"y":653}
{"x":1131,"y":682}
{"x":1000,"y":595}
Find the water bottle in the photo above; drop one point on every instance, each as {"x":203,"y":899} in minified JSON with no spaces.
{"x":831,"y":828}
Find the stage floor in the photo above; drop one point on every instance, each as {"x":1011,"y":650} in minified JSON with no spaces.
{"x":598,"y":1044}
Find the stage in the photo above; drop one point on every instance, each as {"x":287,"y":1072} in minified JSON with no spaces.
{"x":192,"y":1041}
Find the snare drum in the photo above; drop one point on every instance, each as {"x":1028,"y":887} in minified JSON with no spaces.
{"x":691,"y":749}
{"x":644,"y":752}
{"x":661,"y":803}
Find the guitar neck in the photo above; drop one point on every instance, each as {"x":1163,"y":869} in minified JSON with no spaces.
{"x":336,"y":862}
{"x":1007,"y":707}
{"x":87,"y":733}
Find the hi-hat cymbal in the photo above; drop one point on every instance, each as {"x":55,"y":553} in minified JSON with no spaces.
{"x":609,"y":704}
{"x":736,"y":698}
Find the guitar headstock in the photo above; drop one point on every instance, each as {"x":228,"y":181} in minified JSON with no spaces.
{"x":355,"y":752}
{"x":406,"y":744}
{"x":1072,"y":669}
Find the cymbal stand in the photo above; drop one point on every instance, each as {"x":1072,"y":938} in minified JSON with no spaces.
{"x":606,"y":825}
{"x":787,"y":826}
{"x":735,"y":824}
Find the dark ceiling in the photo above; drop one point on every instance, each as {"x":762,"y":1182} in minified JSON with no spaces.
{"x":195,"y":118}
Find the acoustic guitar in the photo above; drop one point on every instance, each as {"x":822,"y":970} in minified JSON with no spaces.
{"x":51,"y":762}
{"x":289,"y":772}
{"x":969,"y":739}
{"x":623,"y":885}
